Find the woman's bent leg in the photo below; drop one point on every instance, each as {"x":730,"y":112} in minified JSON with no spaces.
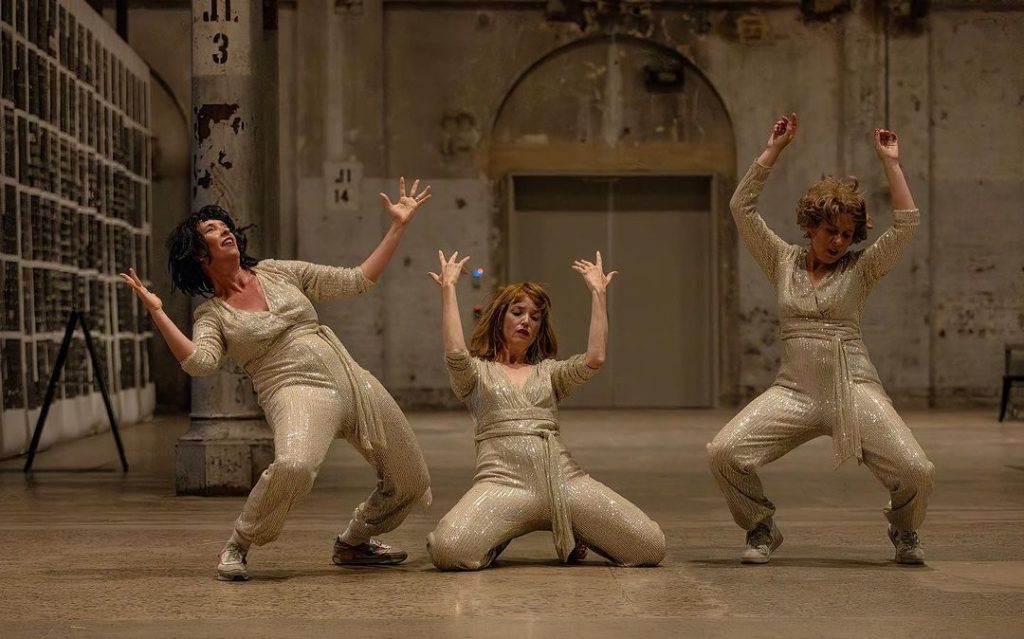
{"x":402,"y":477}
{"x":774,"y":423}
{"x":896,"y":459}
{"x":612,"y":525}
{"x":476,"y":529}
{"x":304,"y":421}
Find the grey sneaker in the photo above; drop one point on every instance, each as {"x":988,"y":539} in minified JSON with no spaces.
{"x":761,"y":543}
{"x":372,"y":553}
{"x":231,"y":566}
{"x":908,"y":546}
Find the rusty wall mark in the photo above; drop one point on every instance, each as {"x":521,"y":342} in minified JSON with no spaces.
{"x":759,"y":329}
{"x":203,"y":180}
{"x":210,"y":114}
{"x":460,"y":133}
{"x":349,"y":7}
{"x":745,"y":28}
{"x":983,"y":315}
{"x":823,"y":10}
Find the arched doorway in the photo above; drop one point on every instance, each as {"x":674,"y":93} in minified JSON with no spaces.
{"x":620,"y":144}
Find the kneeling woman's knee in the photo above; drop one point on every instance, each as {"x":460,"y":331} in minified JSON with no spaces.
{"x":650,"y":548}
{"x":449,"y":551}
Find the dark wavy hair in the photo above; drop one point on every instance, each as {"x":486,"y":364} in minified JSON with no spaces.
{"x":187,"y":250}
{"x":488,"y":339}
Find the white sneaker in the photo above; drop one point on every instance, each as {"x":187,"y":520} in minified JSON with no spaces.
{"x":908,"y":546}
{"x":761,"y":543}
{"x":231,"y":566}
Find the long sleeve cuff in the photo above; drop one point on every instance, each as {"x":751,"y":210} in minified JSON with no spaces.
{"x":197,"y":365}
{"x":906,"y":217}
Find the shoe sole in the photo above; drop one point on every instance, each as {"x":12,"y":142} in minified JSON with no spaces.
{"x":232,"y":577}
{"x":909,"y":562}
{"x":372,"y":562}
{"x":759,"y":559}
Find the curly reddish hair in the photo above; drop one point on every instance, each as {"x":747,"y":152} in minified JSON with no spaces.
{"x":488,"y":339}
{"x":830,"y":197}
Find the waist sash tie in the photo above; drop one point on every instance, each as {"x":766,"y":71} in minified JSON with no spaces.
{"x":369,"y":426}
{"x":846,"y":430}
{"x":498,"y":423}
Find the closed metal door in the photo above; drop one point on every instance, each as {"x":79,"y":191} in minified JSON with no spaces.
{"x":657,"y":231}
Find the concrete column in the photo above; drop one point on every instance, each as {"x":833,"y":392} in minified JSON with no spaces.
{"x":233,"y":107}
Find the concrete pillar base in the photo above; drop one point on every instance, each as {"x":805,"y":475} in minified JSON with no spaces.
{"x":222,"y":457}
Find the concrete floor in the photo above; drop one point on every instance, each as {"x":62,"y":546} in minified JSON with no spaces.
{"x":102,"y":554}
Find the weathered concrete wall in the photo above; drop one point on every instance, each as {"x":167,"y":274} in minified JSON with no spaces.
{"x":415,"y":88}
{"x":977,"y":184}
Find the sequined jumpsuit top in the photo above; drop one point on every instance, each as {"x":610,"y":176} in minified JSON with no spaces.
{"x":826,"y":384}
{"x":311,"y":391}
{"x":525,"y":478}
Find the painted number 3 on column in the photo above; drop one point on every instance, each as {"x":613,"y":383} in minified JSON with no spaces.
{"x":221,"y":40}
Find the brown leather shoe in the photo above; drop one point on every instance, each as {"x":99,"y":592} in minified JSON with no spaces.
{"x":372,"y":553}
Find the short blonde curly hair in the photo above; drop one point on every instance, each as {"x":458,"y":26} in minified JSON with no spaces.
{"x":829,"y":198}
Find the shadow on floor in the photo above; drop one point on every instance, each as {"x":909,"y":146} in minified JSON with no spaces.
{"x":811,"y":562}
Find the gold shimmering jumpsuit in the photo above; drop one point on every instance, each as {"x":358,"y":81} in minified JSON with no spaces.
{"x":826,"y":384}
{"x":526,"y":480}
{"x":312,"y":391}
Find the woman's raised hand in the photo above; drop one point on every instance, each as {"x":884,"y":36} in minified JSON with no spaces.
{"x":451,"y":268}
{"x":593,"y":273}
{"x":887,"y":145}
{"x":149,"y":299}
{"x":404,"y":209}
{"x":783,"y":132}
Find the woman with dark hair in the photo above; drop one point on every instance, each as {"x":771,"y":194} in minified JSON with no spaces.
{"x":260,"y":313}
{"x":826,"y":385}
{"x":525,"y":479}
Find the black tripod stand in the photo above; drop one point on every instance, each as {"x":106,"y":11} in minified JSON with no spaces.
{"x":76,"y":317}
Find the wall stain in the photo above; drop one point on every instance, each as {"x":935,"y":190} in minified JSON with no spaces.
{"x":210,"y":114}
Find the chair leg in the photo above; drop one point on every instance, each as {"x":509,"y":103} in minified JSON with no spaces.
{"x":1006,"y":398}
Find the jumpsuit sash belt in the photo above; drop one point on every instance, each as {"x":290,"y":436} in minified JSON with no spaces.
{"x":846,"y":440}
{"x":369,"y":425}
{"x":499,"y":423}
